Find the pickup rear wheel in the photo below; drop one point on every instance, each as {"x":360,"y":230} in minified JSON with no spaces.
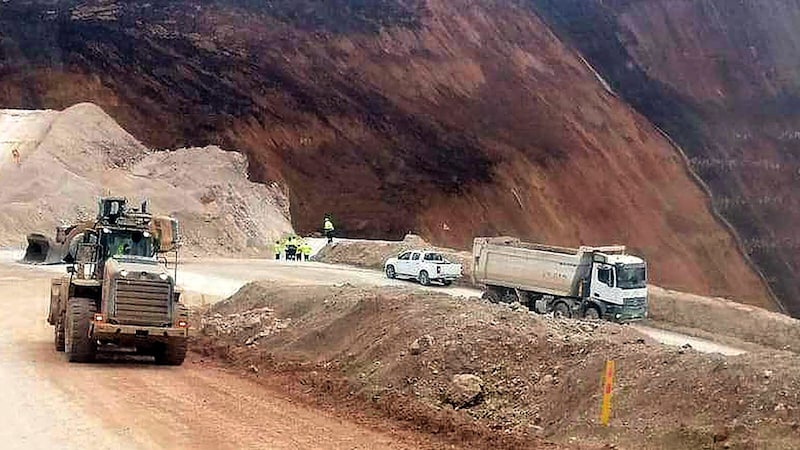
{"x":447,"y":282}
{"x":390,"y":272}
{"x":80,"y":347}
{"x":424,"y":279}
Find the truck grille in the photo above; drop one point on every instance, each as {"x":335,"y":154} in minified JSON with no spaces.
{"x":142,"y":302}
{"x":637,"y":302}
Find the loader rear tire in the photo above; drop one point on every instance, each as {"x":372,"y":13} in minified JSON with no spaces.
{"x":80,"y":347}
{"x":173,"y":353}
{"x":58,"y":335}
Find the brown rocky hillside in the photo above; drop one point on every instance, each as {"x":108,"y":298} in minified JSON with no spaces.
{"x":392,"y":115}
{"x":723,"y":79}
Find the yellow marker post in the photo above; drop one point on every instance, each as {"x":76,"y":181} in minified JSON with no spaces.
{"x":608,"y":383}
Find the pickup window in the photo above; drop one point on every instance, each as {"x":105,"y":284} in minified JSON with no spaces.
{"x":433,"y":257}
{"x":405,"y":256}
{"x":415,"y":257}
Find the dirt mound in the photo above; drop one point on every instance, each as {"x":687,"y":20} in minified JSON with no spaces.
{"x":726,"y":318}
{"x":80,"y":154}
{"x":402,"y":353}
{"x":372,"y":254}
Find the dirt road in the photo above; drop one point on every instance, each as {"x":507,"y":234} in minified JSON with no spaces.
{"x":48,"y":403}
{"x":230,"y":275}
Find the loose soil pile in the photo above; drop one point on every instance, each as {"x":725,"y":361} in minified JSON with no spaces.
{"x":372,"y":254}
{"x":68,"y":159}
{"x":692,"y":314}
{"x":414,"y":356}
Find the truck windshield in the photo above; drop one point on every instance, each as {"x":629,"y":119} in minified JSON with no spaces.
{"x":631,"y":276}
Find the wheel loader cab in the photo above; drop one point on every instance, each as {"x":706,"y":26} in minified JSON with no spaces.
{"x":127,"y":243}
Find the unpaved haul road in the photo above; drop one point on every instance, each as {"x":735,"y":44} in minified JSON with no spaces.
{"x":48,"y":403}
{"x":230,"y":275}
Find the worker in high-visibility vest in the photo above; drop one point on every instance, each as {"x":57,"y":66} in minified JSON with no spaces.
{"x":305,"y":249}
{"x":291,"y":248}
{"x":277,"y":249}
{"x":327,"y":226}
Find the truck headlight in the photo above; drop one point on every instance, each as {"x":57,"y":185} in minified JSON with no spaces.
{"x":163,"y":277}
{"x":123,"y":273}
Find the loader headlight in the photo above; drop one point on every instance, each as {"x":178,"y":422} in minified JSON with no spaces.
{"x":123,"y":273}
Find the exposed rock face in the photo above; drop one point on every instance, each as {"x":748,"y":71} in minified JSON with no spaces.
{"x":449,"y":118}
{"x":723,"y":79}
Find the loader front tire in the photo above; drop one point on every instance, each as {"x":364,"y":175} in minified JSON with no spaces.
{"x":80,"y":347}
{"x":58,"y":335}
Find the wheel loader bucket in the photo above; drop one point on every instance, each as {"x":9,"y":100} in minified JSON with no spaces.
{"x":42,"y":250}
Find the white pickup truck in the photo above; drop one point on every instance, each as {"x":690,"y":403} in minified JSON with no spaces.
{"x":423,"y":265}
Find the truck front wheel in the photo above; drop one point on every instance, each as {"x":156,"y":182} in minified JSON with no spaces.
{"x":80,"y":347}
{"x":592,"y":313}
{"x":390,"y":272}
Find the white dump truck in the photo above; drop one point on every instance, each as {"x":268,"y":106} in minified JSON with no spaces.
{"x":591,"y":282}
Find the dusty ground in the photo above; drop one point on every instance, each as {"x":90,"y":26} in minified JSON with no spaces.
{"x":712,"y":318}
{"x":320,"y":377}
{"x":540,"y":376}
{"x":49,"y":403}
{"x":69,"y":158}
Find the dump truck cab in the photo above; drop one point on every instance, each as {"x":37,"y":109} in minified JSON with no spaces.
{"x":120,"y":292}
{"x":618,"y":287}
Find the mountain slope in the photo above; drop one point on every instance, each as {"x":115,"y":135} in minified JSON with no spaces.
{"x":723,"y":79}
{"x":449,"y":118}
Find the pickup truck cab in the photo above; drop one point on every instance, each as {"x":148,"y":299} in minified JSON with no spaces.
{"x":423,"y":265}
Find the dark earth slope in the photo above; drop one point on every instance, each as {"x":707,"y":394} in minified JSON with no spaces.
{"x":723,"y":79}
{"x":449,"y":118}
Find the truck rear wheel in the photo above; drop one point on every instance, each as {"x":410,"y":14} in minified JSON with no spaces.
{"x":561,"y":309}
{"x":491,"y":294}
{"x":424,"y":279}
{"x":80,"y":347}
